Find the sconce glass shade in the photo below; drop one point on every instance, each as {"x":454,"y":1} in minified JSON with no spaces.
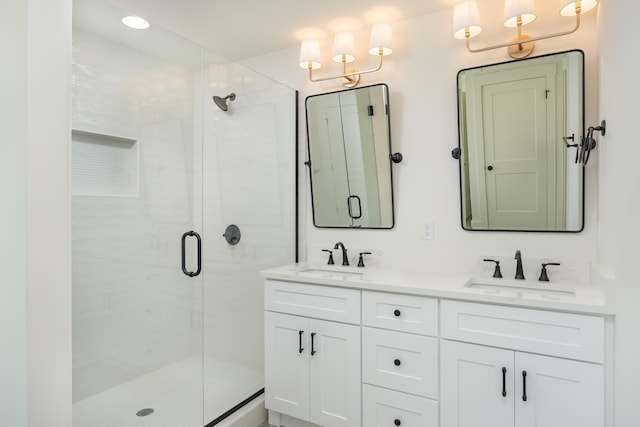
{"x":515,"y":8}
{"x":381,"y":39}
{"x":466,"y":16}
{"x":568,"y":7}
{"x":310,"y":54}
{"x":343,"y":45}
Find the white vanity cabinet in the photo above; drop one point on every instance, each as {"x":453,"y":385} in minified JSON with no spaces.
{"x":312,"y":353}
{"x":357,"y":356}
{"x":483,"y":385}
{"x":399,"y":360}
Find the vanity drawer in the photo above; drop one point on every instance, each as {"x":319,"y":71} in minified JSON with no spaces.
{"x":403,"y":313}
{"x":382,"y":407}
{"x":573,"y":336}
{"x":321,"y":302}
{"x":403,"y":362}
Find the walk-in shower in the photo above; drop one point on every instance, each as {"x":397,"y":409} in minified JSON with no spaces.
{"x":167,"y":313}
{"x":222,"y":102}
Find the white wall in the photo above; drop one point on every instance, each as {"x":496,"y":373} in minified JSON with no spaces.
{"x":35,"y":244}
{"x":13,"y":214}
{"x":421,"y":75}
{"x":619,"y":207}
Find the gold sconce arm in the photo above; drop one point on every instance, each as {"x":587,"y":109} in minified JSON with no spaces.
{"x":522,"y":45}
{"x":352,"y":78}
{"x":517,"y":13}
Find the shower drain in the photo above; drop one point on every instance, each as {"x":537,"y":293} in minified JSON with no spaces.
{"x":144,"y":412}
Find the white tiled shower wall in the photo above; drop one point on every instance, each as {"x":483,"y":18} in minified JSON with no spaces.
{"x":249,"y":171}
{"x":134,"y":310}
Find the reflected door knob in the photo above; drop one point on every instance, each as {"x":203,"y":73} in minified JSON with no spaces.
{"x":490,"y":167}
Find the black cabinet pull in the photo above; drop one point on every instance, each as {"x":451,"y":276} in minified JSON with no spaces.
{"x":396,"y":362}
{"x":313,"y":352}
{"x":504,"y":382}
{"x":199,"y":254}
{"x":524,"y":386}
{"x":397,"y":312}
{"x":300,"y":349}
{"x":397,"y":422}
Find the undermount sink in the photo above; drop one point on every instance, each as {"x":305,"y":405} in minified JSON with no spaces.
{"x":521,"y":288}
{"x":331,"y":271}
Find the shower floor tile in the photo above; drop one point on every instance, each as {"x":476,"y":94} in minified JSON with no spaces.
{"x":175,"y":394}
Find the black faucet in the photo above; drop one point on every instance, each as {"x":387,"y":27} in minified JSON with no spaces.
{"x":345,"y":258}
{"x":519,"y":272}
{"x":544,"y":277}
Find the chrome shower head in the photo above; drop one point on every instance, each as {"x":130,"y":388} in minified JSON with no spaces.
{"x":222,"y":102}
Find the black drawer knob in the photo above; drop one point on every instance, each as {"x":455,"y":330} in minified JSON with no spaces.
{"x":396,"y":362}
{"x":397,"y":422}
{"x":396,"y":312}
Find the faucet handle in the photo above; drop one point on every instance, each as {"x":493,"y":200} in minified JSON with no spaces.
{"x":330,"y":262}
{"x":361,"y":258}
{"x":496,"y":273}
{"x":543,"y":273}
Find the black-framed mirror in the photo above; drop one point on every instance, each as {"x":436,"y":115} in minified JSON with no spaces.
{"x":349,"y":143}
{"x":520,"y":125}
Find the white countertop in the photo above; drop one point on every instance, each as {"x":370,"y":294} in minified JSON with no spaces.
{"x":583,"y":298}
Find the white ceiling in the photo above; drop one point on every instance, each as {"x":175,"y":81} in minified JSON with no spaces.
{"x":239,"y":29}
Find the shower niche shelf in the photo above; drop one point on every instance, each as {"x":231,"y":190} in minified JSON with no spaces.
{"x":104,"y":165}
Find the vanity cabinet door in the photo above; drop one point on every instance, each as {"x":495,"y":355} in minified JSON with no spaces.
{"x":287,"y":364}
{"x":312,"y":369}
{"x":474,"y":390}
{"x":334,"y":368}
{"x":559,"y":392}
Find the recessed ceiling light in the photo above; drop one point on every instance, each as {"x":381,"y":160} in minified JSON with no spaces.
{"x":135,"y":22}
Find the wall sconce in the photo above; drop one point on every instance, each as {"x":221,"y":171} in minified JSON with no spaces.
{"x":343,"y":52}
{"x":466,"y":23}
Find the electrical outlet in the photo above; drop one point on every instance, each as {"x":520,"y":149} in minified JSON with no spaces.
{"x":426,"y":229}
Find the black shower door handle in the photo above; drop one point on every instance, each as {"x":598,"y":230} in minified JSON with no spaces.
{"x":349,"y":200}
{"x":184,"y":256}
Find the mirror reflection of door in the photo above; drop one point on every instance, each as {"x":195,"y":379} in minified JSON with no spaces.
{"x":515,"y":151}
{"x":329,"y":168}
{"x":360,"y":154}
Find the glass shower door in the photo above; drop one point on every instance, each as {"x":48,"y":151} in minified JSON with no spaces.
{"x":136,"y":221}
